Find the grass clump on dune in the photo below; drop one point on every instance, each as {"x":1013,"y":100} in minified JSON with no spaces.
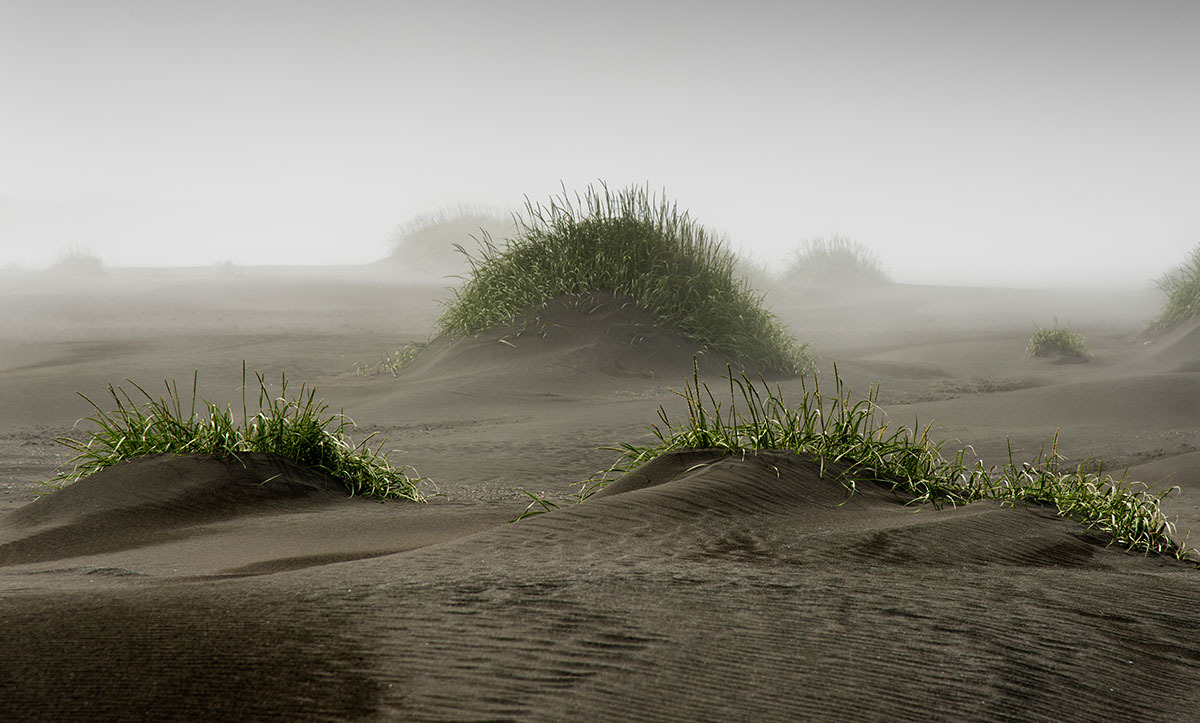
{"x":300,"y":429}
{"x":1058,"y":341}
{"x":868,"y":448}
{"x":632,"y":244}
{"x":1181,"y":286}
{"x":835,"y":261}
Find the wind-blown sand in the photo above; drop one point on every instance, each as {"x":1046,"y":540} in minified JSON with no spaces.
{"x":744,"y":588}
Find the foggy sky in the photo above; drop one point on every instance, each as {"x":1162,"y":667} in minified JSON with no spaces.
{"x":968,"y":142}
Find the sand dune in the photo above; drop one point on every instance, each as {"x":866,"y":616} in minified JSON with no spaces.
{"x":699,"y":586}
{"x":1178,"y":350}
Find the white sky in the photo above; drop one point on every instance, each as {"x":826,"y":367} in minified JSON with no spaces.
{"x":1004,"y":142}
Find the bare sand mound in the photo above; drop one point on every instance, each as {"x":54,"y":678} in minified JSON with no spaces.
{"x":148,"y":499}
{"x":712,"y":587}
{"x":1145,"y":401}
{"x":679,"y":485}
{"x":598,"y":334}
{"x":1178,"y":350}
{"x":206,"y":515}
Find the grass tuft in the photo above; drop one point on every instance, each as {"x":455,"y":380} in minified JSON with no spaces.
{"x":835,"y":261}
{"x":1181,"y":286}
{"x":869,"y":448}
{"x":630,"y":243}
{"x":1058,"y":341}
{"x":391,"y":363}
{"x":300,"y":429}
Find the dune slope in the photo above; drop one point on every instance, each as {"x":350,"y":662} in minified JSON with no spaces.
{"x":739,"y":587}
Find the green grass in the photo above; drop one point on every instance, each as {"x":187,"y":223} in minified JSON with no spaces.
{"x":1181,"y":286}
{"x":300,"y":429}
{"x":869,"y":448}
{"x":632,"y":244}
{"x":391,"y":363}
{"x":835,"y":261}
{"x":429,"y":242}
{"x":1058,"y":341}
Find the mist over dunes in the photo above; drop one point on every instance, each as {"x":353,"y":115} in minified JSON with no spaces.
{"x":807,"y":360}
{"x":936,"y":135}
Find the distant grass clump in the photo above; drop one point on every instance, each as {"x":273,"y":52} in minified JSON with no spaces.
{"x":632,"y":244}
{"x":77,"y":258}
{"x":430,"y":242}
{"x":835,"y":261}
{"x":300,"y":429}
{"x":868,"y":449}
{"x":1058,"y":341}
{"x":1181,"y":286}
{"x":754,"y":271}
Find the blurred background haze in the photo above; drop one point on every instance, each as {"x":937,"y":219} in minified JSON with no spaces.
{"x":1008,"y":143}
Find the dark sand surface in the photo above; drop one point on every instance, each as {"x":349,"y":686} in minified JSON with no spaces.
{"x":182,"y":587}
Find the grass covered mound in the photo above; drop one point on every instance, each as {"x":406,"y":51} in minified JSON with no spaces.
{"x":1064,"y":342}
{"x":631,"y":244}
{"x":301,"y":430}
{"x":835,"y":261}
{"x":863,"y":447}
{"x":1181,"y":286}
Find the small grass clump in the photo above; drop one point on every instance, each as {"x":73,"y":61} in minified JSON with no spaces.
{"x":1181,"y":286}
{"x":429,"y":242}
{"x":300,"y":429}
{"x":835,"y":261}
{"x":868,"y":448}
{"x":1058,"y":340}
{"x":391,"y":363}
{"x":632,"y":244}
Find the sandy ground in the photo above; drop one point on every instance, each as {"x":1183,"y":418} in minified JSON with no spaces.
{"x":181,"y":587}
